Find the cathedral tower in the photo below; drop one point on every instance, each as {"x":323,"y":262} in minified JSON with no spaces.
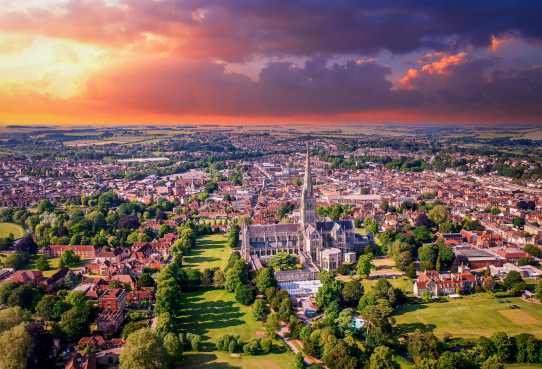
{"x":308,"y":202}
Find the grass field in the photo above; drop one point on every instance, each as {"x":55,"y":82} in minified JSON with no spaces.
{"x":53,"y":263}
{"x":384,"y":266}
{"x":471,"y":318}
{"x":211,"y":251}
{"x":7,"y":228}
{"x":215,"y":312}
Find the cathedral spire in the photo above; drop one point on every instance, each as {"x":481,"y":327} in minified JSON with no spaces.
{"x":307,"y":184}
{"x":308,"y":202}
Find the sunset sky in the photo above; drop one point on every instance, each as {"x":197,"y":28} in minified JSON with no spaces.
{"x":257,"y":61}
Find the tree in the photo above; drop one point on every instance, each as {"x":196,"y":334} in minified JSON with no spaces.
{"x":382,"y":358}
{"x":219,"y":278}
{"x":282,"y":260}
{"x":448,"y":360}
{"x":42,"y":341}
{"x":439,"y":214}
{"x":174,"y":348}
{"x":403,"y":260}
{"x":527,"y":348}
{"x":131,"y":327}
{"x":76,"y":298}
{"x":492,"y":362}
{"x":502,"y":345}
{"x":524,"y":260}
{"x":353,"y":291}
{"x":44,"y":309}
{"x":27,"y":245}
{"x":374,"y":226}
{"x":259,"y":309}
{"x":538,"y":291}
{"x":299,"y":361}
{"x":15,"y":344}
{"x":488,"y":284}
{"x":75,"y":324}
{"x":380,"y":315}
{"x":69,"y":257}
{"x":45,"y":205}
{"x":410,"y":271}
{"x":426,"y":295}
{"x":70,"y":280}
{"x":266,"y":279}
{"x":43,"y":263}
{"x":512,"y":278}
{"x":128,"y":222}
{"x":168,"y":297}
{"x":145,"y":280}
{"x":325,"y":296}
{"x":144,"y":349}
{"x":114,"y":284}
{"x":518,"y":222}
{"x":12,"y":317}
{"x":357,"y":223}
{"x":235,"y":276}
{"x":244,"y":294}
{"x":272,"y":324}
{"x":365,"y":264}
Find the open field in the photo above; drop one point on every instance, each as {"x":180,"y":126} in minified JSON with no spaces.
{"x":7,"y":228}
{"x":471,"y":318}
{"x":211,"y":251}
{"x":384,"y":266}
{"x":215,"y":312}
{"x":53,"y":263}
{"x":402,"y":283}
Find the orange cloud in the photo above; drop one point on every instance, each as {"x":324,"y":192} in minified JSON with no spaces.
{"x":440,"y":67}
{"x":498,"y":42}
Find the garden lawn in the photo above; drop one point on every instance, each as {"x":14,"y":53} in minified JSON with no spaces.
{"x":7,"y":228}
{"x":214,"y":312}
{"x":384,"y":266}
{"x":401,"y":282}
{"x":53,"y":263}
{"x":471,"y":317}
{"x":210,"y":251}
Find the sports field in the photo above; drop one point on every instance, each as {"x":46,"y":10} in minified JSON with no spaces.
{"x":211,"y":251}
{"x":473,"y":317}
{"x":214,"y":312}
{"x":7,"y":228}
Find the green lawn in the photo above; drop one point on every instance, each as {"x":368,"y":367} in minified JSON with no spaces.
{"x":7,"y":228}
{"x":397,"y":283}
{"x":211,"y":251}
{"x":471,"y":318}
{"x":214,"y":312}
{"x":53,"y":263}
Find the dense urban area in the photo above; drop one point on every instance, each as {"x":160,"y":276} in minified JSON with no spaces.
{"x":229,"y":248}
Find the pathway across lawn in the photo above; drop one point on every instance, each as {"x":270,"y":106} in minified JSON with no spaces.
{"x":214,"y":312}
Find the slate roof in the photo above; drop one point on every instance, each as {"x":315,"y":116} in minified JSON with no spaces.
{"x":274,"y":228}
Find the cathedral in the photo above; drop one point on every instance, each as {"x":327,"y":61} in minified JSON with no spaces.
{"x":317,"y":245}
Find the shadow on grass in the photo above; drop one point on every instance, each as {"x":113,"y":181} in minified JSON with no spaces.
{"x":203,"y":360}
{"x":202,"y":318}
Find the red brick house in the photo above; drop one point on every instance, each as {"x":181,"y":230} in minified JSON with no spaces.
{"x":27,"y":276}
{"x":136,"y":297}
{"x":109,"y":321}
{"x":83,"y":251}
{"x":436,"y":283}
{"x":114,"y":299}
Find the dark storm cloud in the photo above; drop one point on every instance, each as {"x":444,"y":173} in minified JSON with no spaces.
{"x":237,"y":30}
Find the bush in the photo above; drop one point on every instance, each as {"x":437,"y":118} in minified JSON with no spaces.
{"x":342,"y":270}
